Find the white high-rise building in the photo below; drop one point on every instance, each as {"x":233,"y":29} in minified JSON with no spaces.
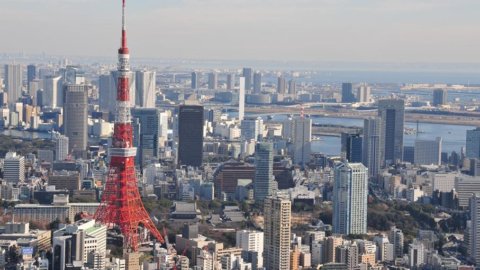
{"x":474,"y":232}
{"x":250,"y":240}
{"x":145,"y":89}
{"x":363,"y":93}
{"x":277,"y":215}
{"x":302,"y":139}
{"x":61,"y":147}
{"x":372,"y":145}
{"x":350,"y":194}
{"x":241,"y":99}
{"x":428,"y":152}
{"x":14,"y":168}
{"x":84,"y":241}
{"x":13,"y":82}
{"x":51,"y":88}
{"x":416,"y":254}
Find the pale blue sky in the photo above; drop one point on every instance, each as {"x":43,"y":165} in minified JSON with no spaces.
{"x":316,"y":30}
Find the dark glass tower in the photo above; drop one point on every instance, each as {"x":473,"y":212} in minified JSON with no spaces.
{"x":190,"y":135}
{"x":347,"y":93}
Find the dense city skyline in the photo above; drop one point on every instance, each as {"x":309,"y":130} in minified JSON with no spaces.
{"x":376,"y":31}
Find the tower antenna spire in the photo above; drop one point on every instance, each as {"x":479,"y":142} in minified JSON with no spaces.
{"x":124,"y":26}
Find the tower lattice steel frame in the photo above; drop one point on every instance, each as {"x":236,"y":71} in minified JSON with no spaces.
{"x":121,"y":203}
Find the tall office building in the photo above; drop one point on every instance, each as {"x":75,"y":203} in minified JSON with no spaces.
{"x":251,"y":241}
{"x":31,"y":73}
{"x":241,"y":100}
{"x":352,"y":144}
{"x":277,"y":230}
{"x":61,"y":147}
{"x":106,"y":100}
{"x":281,"y":85}
{"x":52,"y":86}
{"x":428,"y":152}
{"x":302,"y":139}
{"x":195,"y":80}
{"x":212,"y":80}
{"x":248,"y":75}
{"x":13,"y":82}
{"x":257,"y":82}
{"x":363,"y":93}
{"x":474,"y":229}
{"x":350,"y":194}
{"x":14,"y":168}
{"x":75,"y":118}
{"x":439,"y":97}
{"x":84,"y":242}
{"x":392,"y":113}
{"x":251,"y":129}
{"x":395,"y":236}
{"x":190,"y":135}
{"x":473,"y":143}
{"x":372,"y":145}
{"x":264,"y":184}
{"x":347,"y":93}
{"x":292,"y":87}
{"x":146,"y":134}
{"x":145,"y":84}
{"x":230,"y":81}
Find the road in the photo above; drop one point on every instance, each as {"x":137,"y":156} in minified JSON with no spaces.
{"x":473,"y":120}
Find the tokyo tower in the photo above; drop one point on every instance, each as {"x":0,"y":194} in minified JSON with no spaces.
{"x":121,"y":204}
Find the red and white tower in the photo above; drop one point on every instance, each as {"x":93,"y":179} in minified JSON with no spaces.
{"x":121,"y":203}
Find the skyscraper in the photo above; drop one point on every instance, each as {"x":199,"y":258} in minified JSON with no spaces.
{"x":439,"y":97}
{"x":190,"y":135}
{"x":52,"y":88}
{"x":292,"y":87}
{"x":264,"y":183}
{"x":75,"y":118}
{"x":145,"y":83}
{"x":213,"y":80}
{"x":395,"y":236}
{"x":473,"y":143}
{"x":350,"y":194}
{"x":277,"y":215}
{"x":302,"y":140}
{"x":14,"y":168}
{"x":363,"y":93}
{"x":31,"y":73}
{"x":428,"y":152}
{"x":281,"y":85}
{"x":251,"y":129}
{"x":61,"y":147}
{"x":352,"y":145}
{"x":146,"y":134}
{"x":230,"y":81}
{"x":474,"y":230}
{"x":195,"y":80}
{"x":13,"y":82}
{"x":392,"y":113}
{"x":257,"y":82}
{"x":107,"y":99}
{"x":241,"y":100}
{"x":251,"y":241}
{"x":248,"y":74}
{"x":373,"y":145}
{"x":347,"y":93}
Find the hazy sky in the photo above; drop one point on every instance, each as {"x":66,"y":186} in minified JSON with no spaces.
{"x":316,"y":30}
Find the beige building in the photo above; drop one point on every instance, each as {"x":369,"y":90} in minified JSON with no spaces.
{"x":277,"y":214}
